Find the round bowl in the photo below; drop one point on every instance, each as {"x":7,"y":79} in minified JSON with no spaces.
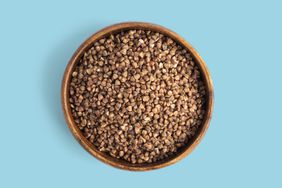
{"x":119,"y":163}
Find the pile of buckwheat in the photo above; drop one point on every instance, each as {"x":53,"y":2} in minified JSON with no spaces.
{"x":137,"y":95}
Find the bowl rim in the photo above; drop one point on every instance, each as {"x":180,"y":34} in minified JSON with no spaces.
{"x":87,"y":145}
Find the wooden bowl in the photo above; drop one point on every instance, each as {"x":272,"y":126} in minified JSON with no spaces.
{"x":119,"y":163}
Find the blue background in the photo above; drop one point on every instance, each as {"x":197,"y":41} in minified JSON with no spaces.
{"x":240,"y":42}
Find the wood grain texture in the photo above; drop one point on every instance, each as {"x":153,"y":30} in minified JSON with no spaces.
{"x":118,"y":162}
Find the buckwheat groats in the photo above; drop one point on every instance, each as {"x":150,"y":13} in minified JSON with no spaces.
{"x":137,"y":95}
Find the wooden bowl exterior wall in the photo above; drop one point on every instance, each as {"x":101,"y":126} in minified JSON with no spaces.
{"x":118,"y":162}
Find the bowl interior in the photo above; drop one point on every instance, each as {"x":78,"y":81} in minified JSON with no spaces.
{"x":119,"y":162}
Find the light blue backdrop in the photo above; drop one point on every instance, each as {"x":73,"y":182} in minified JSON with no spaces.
{"x":240,"y":42}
